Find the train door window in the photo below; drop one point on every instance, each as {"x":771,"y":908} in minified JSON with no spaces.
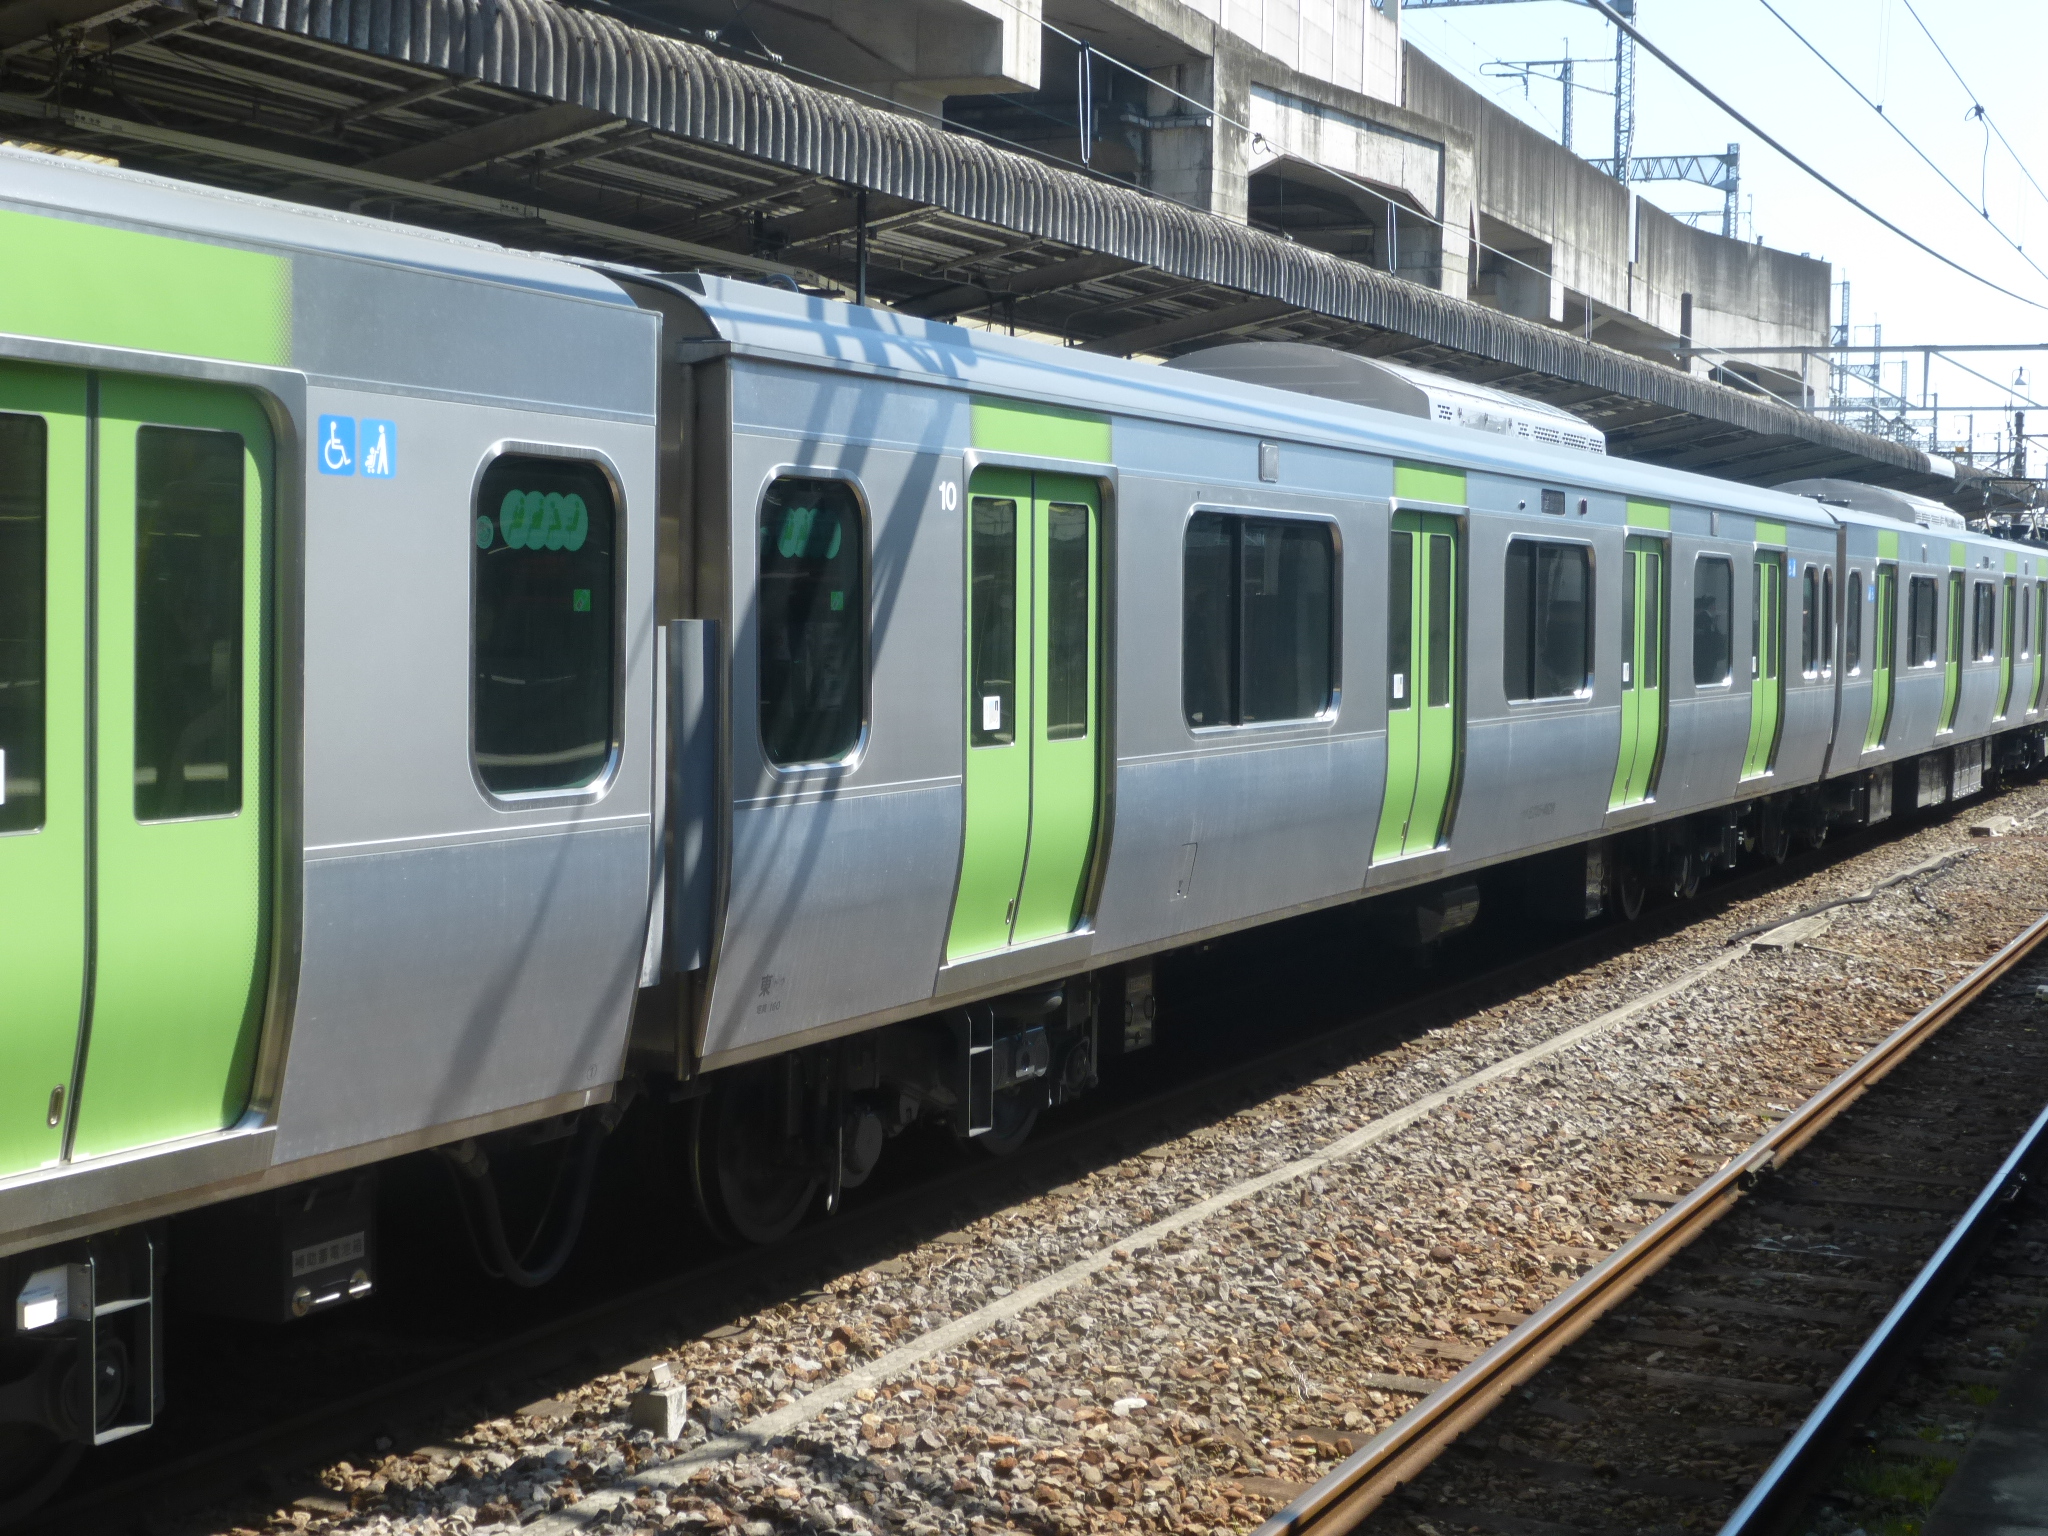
{"x":1923,"y":622}
{"x":1713,"y":621}
{"x":545,"y":642}
{"x":1983,"y":621}
{"x":1827,"y":621}
{"x":1400,"y":618}
{"x":188,"y":623}
{"x":1853,"y":598}
{"x":812,"y":604}
{"x":1809,"y":623}
{"x":992,"y":621}
{"x":1548,"y":621}
{"x":1067,"y":609}
{"x":24,"y":596}
{"x":1441,"y":613}
{"x":1259,"y":619}
{"x":2025,"y":625}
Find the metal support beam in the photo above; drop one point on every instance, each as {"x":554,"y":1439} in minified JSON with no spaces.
{"x":1168,"y":333}
{"x":469,"y":148}
{"x":318,"y":171}
{"x":1049,"y":278}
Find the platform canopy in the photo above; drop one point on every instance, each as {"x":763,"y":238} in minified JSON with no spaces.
{"x":549,"y":127}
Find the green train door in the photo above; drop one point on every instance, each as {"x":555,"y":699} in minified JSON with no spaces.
{"x":43,"y":824}
{"x":1952,"y":660}
{"x":132,"y":833}
{"x":2040,"y":641}
{"x":1644,"y":614}
{"x":1422,"y":683}
{"x":1032,"y":706}
{"x":1886,"y":637}
{"x":1766,"y":663}
{"x":2005,"y":649}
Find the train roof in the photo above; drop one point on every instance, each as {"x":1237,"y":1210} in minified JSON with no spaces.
{"x":758,"y":320}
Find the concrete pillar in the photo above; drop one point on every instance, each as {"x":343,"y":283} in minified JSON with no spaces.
{"x":1180,"y":156}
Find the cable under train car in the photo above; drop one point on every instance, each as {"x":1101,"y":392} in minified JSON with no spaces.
{"x":447,"y":694}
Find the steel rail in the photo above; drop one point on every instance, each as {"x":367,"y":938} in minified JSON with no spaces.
{"x":1781,"y":1492}
{"x":1360,"y":1484}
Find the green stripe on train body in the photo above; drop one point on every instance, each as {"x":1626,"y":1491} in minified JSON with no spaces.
{"x":70,"y":280}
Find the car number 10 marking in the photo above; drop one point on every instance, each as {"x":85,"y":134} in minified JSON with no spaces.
{"x":949,"y":496}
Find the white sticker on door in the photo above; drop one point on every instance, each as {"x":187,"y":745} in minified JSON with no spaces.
{"x":991,"y":711}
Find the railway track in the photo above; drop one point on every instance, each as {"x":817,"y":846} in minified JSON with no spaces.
{"x":1709,"y":1369}
{"x":228,"y":1457}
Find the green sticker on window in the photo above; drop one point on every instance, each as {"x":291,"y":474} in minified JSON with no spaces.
{"x":486,"y":531}
{"x":838,"y":601}
{"x":579,"y":599}
{"x":796,"y":531}
{"x":531,"y":520}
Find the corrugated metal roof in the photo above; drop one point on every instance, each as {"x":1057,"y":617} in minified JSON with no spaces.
{"x":559,"y":54}
{"x":535,"y":124}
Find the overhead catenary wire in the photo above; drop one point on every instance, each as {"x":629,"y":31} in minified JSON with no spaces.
{"x":1977,"y":106}
{"x":1891,"y":123}
{"x":1829,"y":182}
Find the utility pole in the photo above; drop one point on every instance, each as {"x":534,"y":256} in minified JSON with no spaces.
{"x":1624,"y":102}
{"x":1624,"y":78}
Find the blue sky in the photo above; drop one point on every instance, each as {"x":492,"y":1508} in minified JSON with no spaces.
{"x":1742,"y":51}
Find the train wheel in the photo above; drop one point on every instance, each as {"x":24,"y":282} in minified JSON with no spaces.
{"x":1015,"y":1118}
{"x":1774,"y":837}
{"x":751,"y":1180}
{"x":1679,"y":868}
{"x":1629,"y":889}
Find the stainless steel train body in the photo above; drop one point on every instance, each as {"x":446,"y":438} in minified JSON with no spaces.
{"x":457,"y":938}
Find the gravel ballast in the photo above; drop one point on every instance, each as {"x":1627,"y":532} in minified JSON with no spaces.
{"x":1196,"y":1375}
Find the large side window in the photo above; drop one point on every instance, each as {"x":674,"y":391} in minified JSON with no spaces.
{"x":1548,"y":620}
{"x":545,"y":635}
{"x":1713,"y":621}
{"x":1923,"y":622}
{"x":188,"y":623}
{"x":24,"y":538}
{"x":812,"y":586}
{"x":1259,"y":619}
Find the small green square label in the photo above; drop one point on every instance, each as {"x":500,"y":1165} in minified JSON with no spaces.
{"x":579,"y":599}
{"x":838,"y":601}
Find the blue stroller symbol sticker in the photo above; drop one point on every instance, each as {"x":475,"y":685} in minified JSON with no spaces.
{"x":336,"y":449}
{"x":380,"y":449}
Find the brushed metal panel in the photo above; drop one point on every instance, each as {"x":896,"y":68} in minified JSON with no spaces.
{"x":441,"y":983}
{"x":387,"y":628}
{"x":838,"y":908}
{"x":446,"y":331}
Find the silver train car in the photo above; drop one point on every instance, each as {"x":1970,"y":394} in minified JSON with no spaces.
{"x":447,"y":694}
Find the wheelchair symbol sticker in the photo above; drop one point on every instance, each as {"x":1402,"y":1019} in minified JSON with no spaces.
{"x":380,"y":449}
{"x":336,"y":446}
